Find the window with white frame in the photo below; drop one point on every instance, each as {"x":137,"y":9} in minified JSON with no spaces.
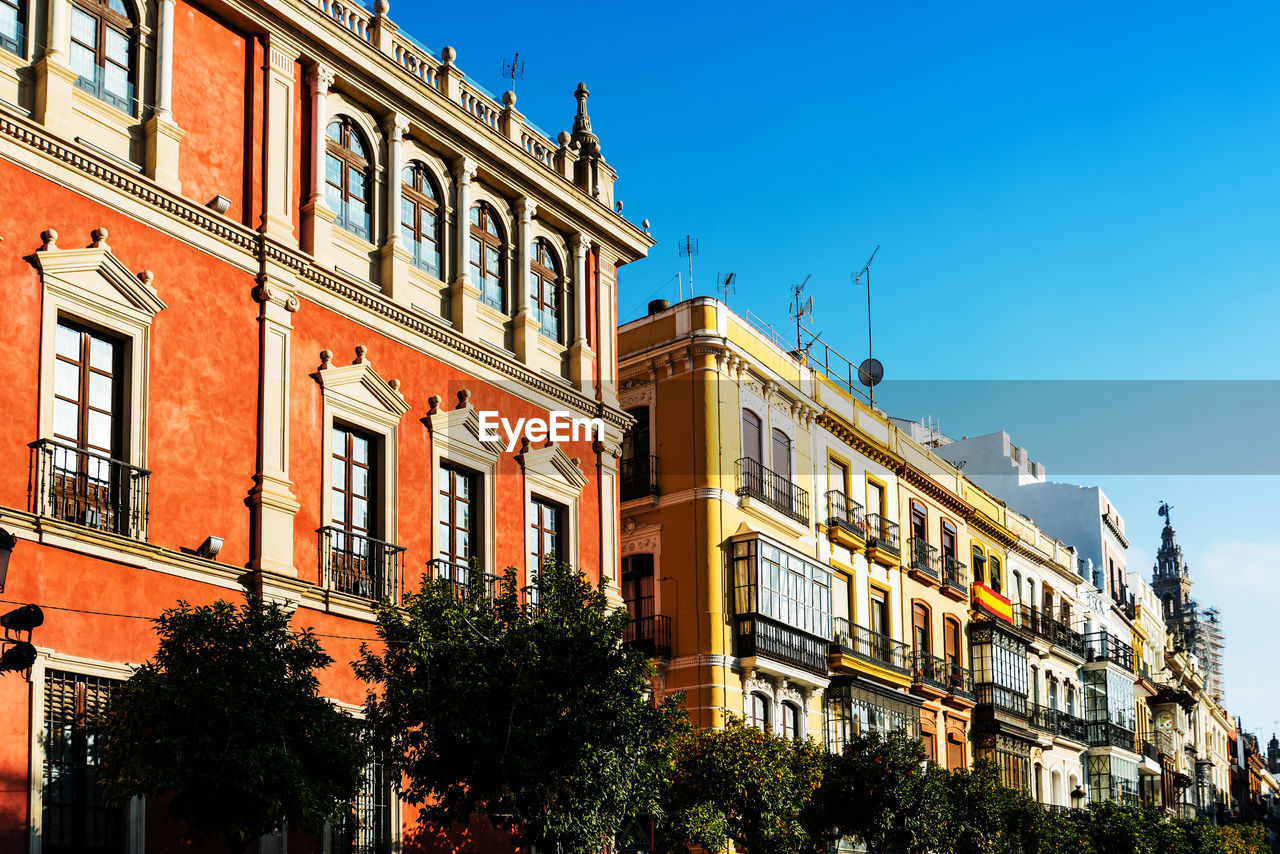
{"x":102,"y":53}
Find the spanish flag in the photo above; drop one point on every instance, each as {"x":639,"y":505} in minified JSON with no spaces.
{"x":992,"y":602}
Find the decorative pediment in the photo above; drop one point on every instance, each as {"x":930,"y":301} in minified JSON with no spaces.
{"x":639,"y":537}
{"x":359,"y":388}
{"x":459,"y":430}
{"x":98,"y":274}
{"x":552,"y":462}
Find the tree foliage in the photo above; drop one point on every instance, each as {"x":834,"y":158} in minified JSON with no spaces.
{"x":538,"y":718}
{"x":747,"y":786}
{"x":227,"y":721}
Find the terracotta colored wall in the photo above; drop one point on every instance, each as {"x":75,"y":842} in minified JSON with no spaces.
{"x":203,"y":358}
{"x":315,"y":329}
{"x":212,"y":96}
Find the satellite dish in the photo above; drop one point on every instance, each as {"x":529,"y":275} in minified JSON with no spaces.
{"x":870,"y":372}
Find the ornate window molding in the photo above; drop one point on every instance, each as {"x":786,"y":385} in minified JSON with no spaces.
{"x":94,"y":287}
{"x":550,"y":474}
{"x":455,"y":438}
{"x":356,"y":395}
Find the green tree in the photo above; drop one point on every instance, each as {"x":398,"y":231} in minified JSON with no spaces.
{"x":881,"y":791}
{"x":1120,"y":827}
{"x":227,"y":722}
{"x":743,"y":785}
{"x":1243,"y":839}
{"x":538,"y":718}
{"x":981,"y":809}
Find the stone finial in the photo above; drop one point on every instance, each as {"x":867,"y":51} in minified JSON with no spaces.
{"x":617,"y":206}
{"x":433,"y":404}
{"x":577,"y":462}
{"x":395,"y":386}
{"x":509,"y":98}
{"x":582,"y":121}
{"x":644,"y":223}
{"x":326,"y":359}
{"x":563,"y":139}
{"x":50,"y":238}
{"x":147,"y":277}
{"x":381,"y":7}
{"x":99,"y":236}
{"x":464,"y":399}
{"x":448,"y":55}
{"x":361,"y":352}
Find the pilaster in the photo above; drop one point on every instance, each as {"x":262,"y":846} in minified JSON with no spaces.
{"x":278,"y":143}
{"x":581,"y":358}
{"x":463,"y":295}
{"x":53,"y":102}
{"x":526,"y":327}
{"x":273,"y":504}
{"x":163,"y":144}
{"x":317,"y":219}
{"x":394,"y":258}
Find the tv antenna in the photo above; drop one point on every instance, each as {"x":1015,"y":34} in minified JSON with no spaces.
{"x":513,"y":69}
{"x":689,"y":248}
{"x":870,"y":372}
{"x":724,"y":284}
{"x":801,"y":310}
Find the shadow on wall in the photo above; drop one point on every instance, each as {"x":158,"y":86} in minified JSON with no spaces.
{"x":477,"y":837}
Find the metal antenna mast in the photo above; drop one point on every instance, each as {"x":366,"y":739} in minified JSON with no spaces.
{"x":513,"y":70}
{"x":871,"y":362}
{"x":800,"y":311}
{"x":689,"y":248}
{"x":724,"y":284}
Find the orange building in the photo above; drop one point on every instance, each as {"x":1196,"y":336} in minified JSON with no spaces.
{"x":257,"y":301}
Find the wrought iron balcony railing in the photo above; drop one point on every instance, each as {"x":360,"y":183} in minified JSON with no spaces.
{"x":756,"y":481}
{"x":845,"y":513}
{"x":1148,"y":750}
{"x":1104,"y":646}
{"x":638,"y":477}
{"x":90,"y":489}
{"x":960,"y":681}
{"x":924,"y":557}
{"x":467,"y":583}
{"x":1057,"y":722}
{"x":1040,"y":622}
{"x":871,"y":646}
{"x":881,"y":533}
{"x":1001,"y":698}
{"x":651,"y":633}
{"x":929,"y":670}
{"x":1107,"y":734}
{"x":757,"y":635}
{"x":360,"y":565}
{"x":954,"y":573}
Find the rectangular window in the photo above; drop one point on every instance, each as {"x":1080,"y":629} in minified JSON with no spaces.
{"x":781,"y":458}
{"x":75,"y":816}
{"x":637,"y":590}
{"x":948,"y":540}
{"x":457,"y":518}
{"x":879,"y":613}
{"x":548,"y":532}
{"x":875,"y":499}
{"x":851,"y":709}
{"x":364,"y":827}
{"x":837,"y":476}
{"x":357,"y":562}
{"x":13,"y":27}
{"x":919,"y":522}
{"x":352,"y":490}
{"x":920,"y":629}
{"x":779,"y":585}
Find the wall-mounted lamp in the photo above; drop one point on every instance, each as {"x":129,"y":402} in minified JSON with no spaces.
{"x":209,"y":548}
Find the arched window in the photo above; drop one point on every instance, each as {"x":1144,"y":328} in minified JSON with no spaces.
{"x":920,"y":628}
{"x":102,"y":51}
{"x":420,"y":217}
{"x":487,"y":251}
{"x":347,"y":177}
{"x":546,"y":289}
{"x":790,"y":721}
{"x":758,"y":711}
{"x":751,"y":448}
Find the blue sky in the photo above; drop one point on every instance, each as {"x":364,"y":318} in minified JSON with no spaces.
{"x":1083,"y":192}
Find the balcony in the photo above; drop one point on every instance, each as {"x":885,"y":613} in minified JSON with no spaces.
{"x":955,"y":578}
{"x":870,"y":646}
{"x":638,"y":478}
{"x":923,"y":563}
{"x":959,"y":687}
{"x":772,"y":489}
{"x":928,"y":675}
{"x":845,"y":522}
{"x":882,"y":536}
{"x":1058,"y":723}
{"x":1001,"y":701}
{"x":1041,"y":624}
{"x":465,"y":582}
{"x":761,"y":636}
{"x":359,"y":565}
{"x":1148,"y":750}
{"x":1104,"y":646}
{"x":1107,"y":734}
{"x":90,"y":489}
{"x":651,"y":634}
